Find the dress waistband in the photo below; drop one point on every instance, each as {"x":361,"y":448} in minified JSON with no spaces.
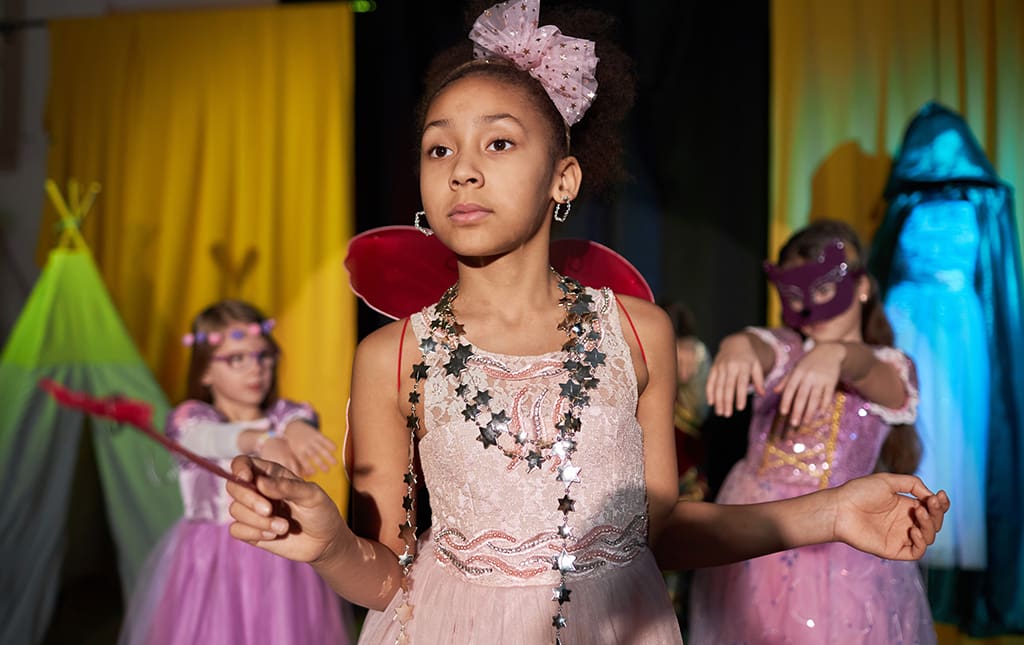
{"x":495,"y":557}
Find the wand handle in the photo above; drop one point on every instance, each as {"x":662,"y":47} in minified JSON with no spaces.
{"x":136,"y":414}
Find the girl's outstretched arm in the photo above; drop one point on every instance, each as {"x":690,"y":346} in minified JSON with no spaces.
{"x":305,"y":524}
{"x":808,"y":388}
{"x":892,"y":516}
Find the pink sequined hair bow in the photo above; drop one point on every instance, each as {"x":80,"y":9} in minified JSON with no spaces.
{"x":563,"y":65}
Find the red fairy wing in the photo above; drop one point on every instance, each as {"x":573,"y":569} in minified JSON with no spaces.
{"x":596,"y":265}
{"x":397,"y":270}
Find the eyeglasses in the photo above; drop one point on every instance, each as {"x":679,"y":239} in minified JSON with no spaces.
{"x":245,"y":360}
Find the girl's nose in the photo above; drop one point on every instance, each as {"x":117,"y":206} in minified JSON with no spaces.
{"x":466,"y":172}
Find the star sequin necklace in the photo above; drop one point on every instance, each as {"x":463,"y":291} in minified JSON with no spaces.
{"x":581,"y":359}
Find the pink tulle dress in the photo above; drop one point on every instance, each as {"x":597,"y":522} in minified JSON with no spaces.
{"x":823,"y":594}
{"x":200,"y":585}
{"x":483,"y":572}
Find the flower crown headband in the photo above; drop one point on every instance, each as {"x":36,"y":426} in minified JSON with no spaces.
{"x":564,"y":66}
{"x":216,"y":337}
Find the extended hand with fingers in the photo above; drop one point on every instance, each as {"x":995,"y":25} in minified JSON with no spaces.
{"x":312,"y":449}
{"x":809,"y":387}
{"x":892,"y":516}
{"x":735,"y":369}
{"x":289,"y":516}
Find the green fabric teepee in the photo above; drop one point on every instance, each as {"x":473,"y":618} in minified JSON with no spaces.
{"x":70,"y":331}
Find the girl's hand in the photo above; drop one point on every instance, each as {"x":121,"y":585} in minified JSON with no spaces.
{"x":292,"y":518}
{"x":875,"y":514}
{"x":310,"y":446}
{"x":736,"y":367}
{"x":808,"y":388}
{"x":278,"y":450}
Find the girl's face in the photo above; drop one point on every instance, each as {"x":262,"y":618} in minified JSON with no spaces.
{"x":241,"y":370}
{"x":845,"y":326}
{"x":487,"y":177}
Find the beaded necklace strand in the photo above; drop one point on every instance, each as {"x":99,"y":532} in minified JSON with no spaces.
{"x":581,"y":360}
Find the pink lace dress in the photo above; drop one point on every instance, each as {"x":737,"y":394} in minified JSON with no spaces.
{"x":484,"y":570}
{"x":823,"y":594}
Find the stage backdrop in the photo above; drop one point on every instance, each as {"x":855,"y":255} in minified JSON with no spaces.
{"x":223,"y":141}
{"x":847,"y":77}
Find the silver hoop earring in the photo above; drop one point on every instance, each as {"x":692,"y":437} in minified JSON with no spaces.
{"x":561,"y":215}
{"x":416,"y":222}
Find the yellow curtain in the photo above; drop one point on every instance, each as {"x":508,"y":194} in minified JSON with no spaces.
{"x":847,"y":77}
{"x":223,"y":142}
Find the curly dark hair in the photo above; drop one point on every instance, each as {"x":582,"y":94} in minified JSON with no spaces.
{"x":596,"y":139}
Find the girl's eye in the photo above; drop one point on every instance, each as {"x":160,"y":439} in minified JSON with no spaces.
{"x":235,"y":360}
{"x":438,"y":152}
{"x":500,"y":145}
{"x":824,"y":293}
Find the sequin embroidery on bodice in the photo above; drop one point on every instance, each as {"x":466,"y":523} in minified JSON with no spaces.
{"x":830,"y":448}
{"x":493,"y":516}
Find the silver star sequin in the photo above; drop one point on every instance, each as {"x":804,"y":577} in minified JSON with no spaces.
{"x":561,"y":593}
{"x":564,"y":562}
{"x":568,"y":473}
{"x":534,"y":460}
{"x":419,"y":372}
{"x":561,"y":448}
{"x":566,"y":504}
{"x":406,"y":558}
{"x":488,"y":437}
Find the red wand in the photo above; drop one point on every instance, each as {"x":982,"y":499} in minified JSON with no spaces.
{"x":137,"y":414}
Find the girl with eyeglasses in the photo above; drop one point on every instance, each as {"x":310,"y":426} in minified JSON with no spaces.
{"x":200,"y":585}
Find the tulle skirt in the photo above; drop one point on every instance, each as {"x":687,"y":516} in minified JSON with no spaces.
{"x":626,"y":605}
{"x":200,"y":585}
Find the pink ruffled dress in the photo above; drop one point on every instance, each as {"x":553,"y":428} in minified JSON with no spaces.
{"x":200,"y":585}
{"x":483,"y":572}
{"x":823,"y":594}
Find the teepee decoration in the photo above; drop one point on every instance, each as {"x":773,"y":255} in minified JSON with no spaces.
{"x":70,"y":331}
{"x":72,"y":212}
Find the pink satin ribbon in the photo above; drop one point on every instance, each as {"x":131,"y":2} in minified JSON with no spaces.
{"x":564,"y":66}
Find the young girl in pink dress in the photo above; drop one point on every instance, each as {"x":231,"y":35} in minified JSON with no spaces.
{"x":200,"y":585}
{"x":829,"y":390}
{"x":539,"y":409}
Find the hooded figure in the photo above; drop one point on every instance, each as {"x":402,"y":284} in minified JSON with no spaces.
{"x":949,"y":265}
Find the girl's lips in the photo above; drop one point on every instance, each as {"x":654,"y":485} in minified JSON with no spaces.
{"x":468,"y":213}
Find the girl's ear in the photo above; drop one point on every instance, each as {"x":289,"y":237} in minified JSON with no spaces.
{"x":568,"y":177}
